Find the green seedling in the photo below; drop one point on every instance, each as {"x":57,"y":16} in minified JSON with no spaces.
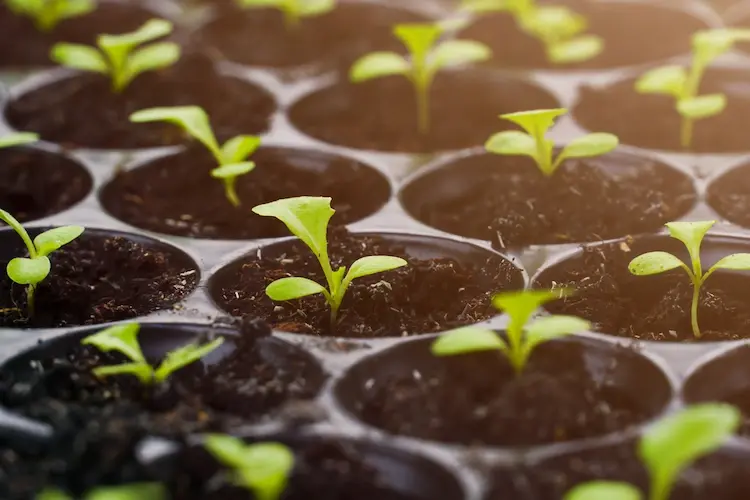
{"x":535,"y":144}
{"x":261,"y":468}
{"x":17,"y":139}
{"x":307,"y":218}
{"x":684,"y":85}
{"x":32,"y":270}
{"x":135,"y":491}
{"x":230,"y":156}
{"x":119,"y":56}
{"x":522,"y":337}
{"x":124,"y":339}
{"x":47,"y":14}
{"x":293,"y":10}
{"x":667,"y":448}
{"x":691,"y":234}
{"x":427,"y":57}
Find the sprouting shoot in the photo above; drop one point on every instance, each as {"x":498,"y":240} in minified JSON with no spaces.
{"x":293,"y":10}
{"x":47,"y":14}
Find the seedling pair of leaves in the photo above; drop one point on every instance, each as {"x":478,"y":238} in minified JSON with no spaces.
{"x":521,"y":337}
{"x":691,"y":234}
{"x":307,"y":218}
{"x":47,"y":14}
{"x":535,"y":144}
{"x":119,"y":56}
{"x":293,"y":10}
{"x":668,"y":448}
{"x":136,"y":491}
{"x":230,"y":156}
{"x":427,"y":56}
{"x":684,"y":85}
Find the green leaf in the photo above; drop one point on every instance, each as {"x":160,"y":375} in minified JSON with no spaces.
{"x":457,"y":52}
{"x":535,"y":122}
{"x":466,"y":340}
{"x":228,"y":450}
{"x":266,"y":469}
{"x":373,"y":264}
{"x":309,"y":8}
{"x":46,"y":14}
{"x":121,"y":338}
{"x":142,"y":370}
{"x":551,"y":327}
{"x":589,"y":145}
{"x":553,"y":23}
{"x":604,"y":490}
{"x":691,"y":234}
{"x":28,"y":271}
{"x":520,"y":305}
{"x":184,"y":356}
{"x":511,"y":142}
{"x":232,"y":170}
{"x":136,"y":491}
{"x":578,"y":49}
{"x":737,"y":261}
{"x":80,"y":57}
{"x":54,"y":239}
{"x":677,"y":440}
{"x":17,"y":139}
{"x":149,"y":31}
{"x":702,"y":106}
{"x":19,"y":229}
{"x":710,"y":44}
{"x":239,"y":148}
{"x":151,"y":58}
{"x":418,"y":38}
{"x":654,"y":263}
{"x":671,"y":80}
{"x":293,"y":288}
{"x":378,"y":64}
{"x":192,"y":119}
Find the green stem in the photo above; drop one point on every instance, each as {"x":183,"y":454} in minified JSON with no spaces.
{"x":686,"y":132}
{"x":231,"y":191}
{"x":30,"y":306}
{"x":423,"y":107}
{"x":694,"y":308}
{"x":291,"y":19}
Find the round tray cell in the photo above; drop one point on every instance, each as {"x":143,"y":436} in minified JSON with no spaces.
{"x":508,"y":200}
{"x":446,"y":284}
{"x":571,"y":390}
{"x":160,"y":195}
{"x":81,"y":110}
{"x":381,"y":114}
{"x":729,"y":195}
{"x":102,"y":276}
{"x":653,"y":307}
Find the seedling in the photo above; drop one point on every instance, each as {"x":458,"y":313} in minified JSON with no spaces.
{"x":294,"y":10}
{"x":17,"y":139}
{"x":135,"y":491}
{"x":32,"y":270}
{"x":230,"y":156}
{"x":684,"y":85}
{"x":119,"y":56}
{"x":261,"y":468}
{"x":535,"y":144}
{"x":47,"y":14}
{"x":124,"y":339}
{"x":691,"y":235}
{"x":522,"y":337}
{"x":307,"y":218}
{"x":667,"y":448}
{"x":427,"y":57}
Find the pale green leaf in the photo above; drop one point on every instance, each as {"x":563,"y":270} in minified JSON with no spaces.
{"x":121,"y":338}
{"x":54,"y":239}
{"x":232,"y":170}
{"x":457,"y":52}
{"x":366,"y":266}
{"x":142,"y":370}
{"x":511,"y":142}
{"x":228,"y":450}
{"x":378,"y":64}
{"x":737,"y":261}
{"x":17,"y":139}
{"x":603,"y":490}
{"x":535,"y":122}
{"x":654,"y":263}
{"x":702,"y":106}
{"x":184,"y":356}
{"x":309,"y":8}
{"x":418,"y":38}
{"x":691,"y":234}
{"x":578,"y":49}
{"x":293,"y":288}
{"x":265,"y":470}
{"x":670,"y":80}
{"x":466,"y":340}
{"x":19,"y":229}
{"x":136,"y":491}
{"x":453,"y":24}
{"x":192,"y":119}
{"x":710,"y":44}
{"x":28,"y":271}
{"x":149,"y":31}
{"x":81,"y":57}
{"x":520,"y":305}
{"x":151,"y":58}
{"x":595,"y":144}
{"x":551,"y":327}
{"x":553,"y":23}
{"x":239,"y":148}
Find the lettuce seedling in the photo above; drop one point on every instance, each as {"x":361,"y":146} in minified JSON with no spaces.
{"x":47,"y":14}
{"x":230,"y":156}
{"x":683,"y":85}
{"x":667,"y":448}
{"x":135,"y":491}
{"x":17,"y":139}
{"x":32,"y":270}
{"x":427,"y":57}
{"x":535,"y":144}
{"x":116,"y":55}
{"x":293,"y":10}
{"x":124,"y":339}
{"x":307,"y":218}
{"x":522,"y":337}
{"x":262,"y":468}
{"x":691,"y":235}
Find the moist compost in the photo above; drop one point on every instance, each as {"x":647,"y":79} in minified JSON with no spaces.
{"x":97,"y":278}
{"x":651,"y":120}
{"x":510,"y":201}
{"x":161,"y":196}
{"x":82,"y":110}
{"x":381,"y":114}
{"x":36,"y":183}
{"x":424,"y":296}
{"x":729,"y":195}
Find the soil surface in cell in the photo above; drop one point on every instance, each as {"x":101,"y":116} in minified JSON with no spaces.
{"x":424,"y":296}
{"x":509,"y":201}
{"x":729,"y":195}
{"x":31,"y":47}
{"x":381,"y":114}
{"x":651,"y":120}
{"x":96,"y":279}
{"x":260,"y":37}
{"x":82,"y":110}
{"x":36,"y":184}
{"x":162,"y":195}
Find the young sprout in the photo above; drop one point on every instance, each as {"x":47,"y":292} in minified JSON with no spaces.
{"x":667,"y":448}
{"x":691,"y":235}
{"x":47,"y":14}
{"x":522,"y":337}
{"x":294,"y":10}
{"x":307,"y":218}
{"x":119,"y":56}
{"x":427,"y":57}
{"x":535,"y":144}
{"x":17,"y":139}
{"x":135,"y":491}
{"x":684,"y":85}
{"x":230,"y":156}
{"x":261,"y":468}
{"x":32,"y":270}
{"x":124,"y":339}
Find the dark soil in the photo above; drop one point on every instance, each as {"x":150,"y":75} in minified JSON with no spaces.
{"x":508,"y":200}
{"x":729,"y":195}
{"x":36,"y":183}
{"x":381,"y":114}
{"x":651,"y":121}
{"x":259,"y":37}
{"x":424,"y":296}
{"x":71,"y":111}
{"x":26,"y":46}
{"x":97,"y":278}
{"x":161,"y":196}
